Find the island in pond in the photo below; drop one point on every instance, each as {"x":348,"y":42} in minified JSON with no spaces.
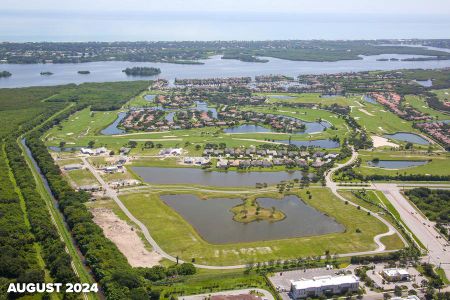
{"x":251,"y":211}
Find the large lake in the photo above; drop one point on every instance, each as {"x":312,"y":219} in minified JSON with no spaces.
{"x":29,"y":74}
{"x":213,"y":216}
{"x":157,"y":175}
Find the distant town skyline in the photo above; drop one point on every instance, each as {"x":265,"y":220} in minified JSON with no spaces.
{"x":51,"y":20}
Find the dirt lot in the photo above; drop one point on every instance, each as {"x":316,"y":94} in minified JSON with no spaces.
{"x":126,"y":238}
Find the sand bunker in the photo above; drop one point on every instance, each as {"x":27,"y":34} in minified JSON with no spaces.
{"x":366,"y":112}
{"x":125,"y":238}
{"x":379,"y":141}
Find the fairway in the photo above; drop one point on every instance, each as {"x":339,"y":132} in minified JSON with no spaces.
{"x":177,"y":237}
{"x":438,"y":164}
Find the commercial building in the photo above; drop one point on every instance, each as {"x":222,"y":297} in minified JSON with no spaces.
{"x":395,"y":274}
{"x":324,"y":285}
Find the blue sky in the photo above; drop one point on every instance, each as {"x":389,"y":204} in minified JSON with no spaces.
{"x":108,"y":20}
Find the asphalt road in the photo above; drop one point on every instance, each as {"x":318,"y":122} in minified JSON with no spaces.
{"x":438,"y":253}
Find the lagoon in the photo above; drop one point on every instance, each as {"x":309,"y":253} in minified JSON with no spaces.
{"x":157,"y":175}
{"x":112,"y":128}
{"x":209,"y":217}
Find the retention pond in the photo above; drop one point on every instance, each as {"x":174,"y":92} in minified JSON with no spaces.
{"x":213,"y":220}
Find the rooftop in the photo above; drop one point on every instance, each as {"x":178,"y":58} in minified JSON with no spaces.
{"x":324,"y":281}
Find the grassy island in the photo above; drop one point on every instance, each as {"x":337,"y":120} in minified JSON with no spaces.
{"x":251,"y":211}
{"x":142,"y":71}
{"x":5,"y":74}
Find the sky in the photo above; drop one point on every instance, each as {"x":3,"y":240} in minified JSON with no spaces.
{"x":109,"y":20}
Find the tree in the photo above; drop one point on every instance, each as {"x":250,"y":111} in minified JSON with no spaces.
{"x":132,"y":144}
{"x":62,"y":144}
{"x":91,"y":144}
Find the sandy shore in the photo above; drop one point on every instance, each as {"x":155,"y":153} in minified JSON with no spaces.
{"x":125,"y":238}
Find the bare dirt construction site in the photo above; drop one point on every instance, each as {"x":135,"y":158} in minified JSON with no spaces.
{"x":126,"y":238}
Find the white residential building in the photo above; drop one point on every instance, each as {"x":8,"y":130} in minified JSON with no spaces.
{"x":73,"y":167}
{"x":324,"y":285}
{"x":87,"y":151}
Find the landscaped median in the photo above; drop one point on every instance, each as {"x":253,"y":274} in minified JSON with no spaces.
{"x":179,"y":238}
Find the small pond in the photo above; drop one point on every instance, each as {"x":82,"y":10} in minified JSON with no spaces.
{"x":396,"y":164}
{"x":159,"y":175}
{"x":281,"y":97}
{"x":424,"y":83}
{"x":310,"y":127}
{"x":369,"y":99}
{"x":247,"y":128}
{"x":149,"y":98}
{"x":65,"y":149}
{"x":324,"y":143}
{"x":112,"y":129}
{"x":408,"y":137}
{"x":213,"y":220}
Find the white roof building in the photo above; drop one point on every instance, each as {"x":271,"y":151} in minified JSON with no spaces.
{"x":411,"y":297}
{"x":395,"y":274}
{"x":87,"y":151}
{"x":73,"y":167}
{"x":324,"y":285}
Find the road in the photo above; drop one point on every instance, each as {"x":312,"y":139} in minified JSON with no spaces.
{"x":334,"y":189}
{"x":438,"y":253}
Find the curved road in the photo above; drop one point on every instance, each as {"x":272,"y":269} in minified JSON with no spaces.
{"x":113,"y":195}
{"x":334,"y":187}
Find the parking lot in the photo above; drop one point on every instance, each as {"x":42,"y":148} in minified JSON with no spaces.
{"x":416,"y":278}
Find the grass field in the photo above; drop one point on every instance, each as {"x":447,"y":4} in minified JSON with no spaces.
{"x":82,"y":123}
{"x":439,"y":164}
{"x":376,"y":119}
{"x":177,"y":237}
{"x":311,"y":98}
{"x":392,"y":242}
{"x":419,"y":103}
{"x":82,"y":177}
{"x":443,"y":95}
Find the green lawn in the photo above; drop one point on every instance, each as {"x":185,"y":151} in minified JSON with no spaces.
{"x":376,"y":119}
{"x":177,"y":237}
{"x":419,"y":103}
{"x":311,"y":98}
{"x":392,"y":242}
{"x":439,"y":164}
{"x":443,"y":95}
{"x":82,"y":177}
{"x":82,"y":123}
